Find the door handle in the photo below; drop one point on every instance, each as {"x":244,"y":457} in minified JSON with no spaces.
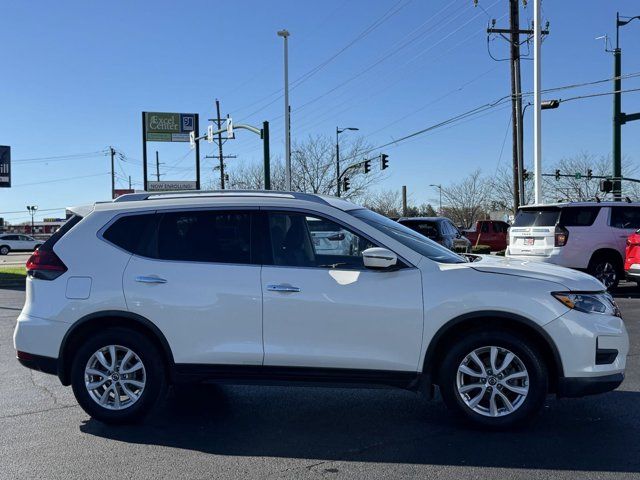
{"x":150,"y":279}
{"x":283,"y":288}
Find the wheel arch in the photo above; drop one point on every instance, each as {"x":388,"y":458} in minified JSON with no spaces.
{"x":482,"y":320}
{"x":104,"y":319}
{"x":607,"y":252}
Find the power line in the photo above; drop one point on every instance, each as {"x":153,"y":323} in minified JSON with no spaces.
{"x":61,"y":179}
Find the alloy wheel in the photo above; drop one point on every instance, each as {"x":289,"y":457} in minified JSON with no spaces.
{"x":492,"y":381}
{"x":606,"y":272}
{"x":115,"y":377}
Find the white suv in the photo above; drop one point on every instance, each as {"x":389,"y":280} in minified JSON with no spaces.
{"x":17,"y":243}
{"x":149,"y":290}
{"x":588,"y":236}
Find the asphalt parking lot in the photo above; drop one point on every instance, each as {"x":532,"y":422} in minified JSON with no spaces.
{"x":274,"y":432}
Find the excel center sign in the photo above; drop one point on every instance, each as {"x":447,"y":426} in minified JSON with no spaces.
{"x":168,"y":127}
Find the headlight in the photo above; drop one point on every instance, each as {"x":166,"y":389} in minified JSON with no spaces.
{"x":602,"y":303}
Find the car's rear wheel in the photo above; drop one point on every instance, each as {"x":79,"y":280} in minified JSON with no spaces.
{"x":4,"y":250}
{"x":118,"y":376}
{"x":607,"y":269}
{"x":495,"y":379}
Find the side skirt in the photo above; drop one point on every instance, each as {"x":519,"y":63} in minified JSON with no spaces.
{"x":301,"y":376}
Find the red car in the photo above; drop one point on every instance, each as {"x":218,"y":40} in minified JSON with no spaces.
{"x":632,"y":257}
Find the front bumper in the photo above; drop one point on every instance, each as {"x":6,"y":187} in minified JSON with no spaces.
{"x":581,"y":386}
{"x":593,"y":350}
{"x":633,"y":272}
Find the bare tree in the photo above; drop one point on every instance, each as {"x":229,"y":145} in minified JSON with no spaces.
{"x":500,"y":194}
{"x":313,"y":169}
{"x":466,"y":200}
{"x":385,"y":202}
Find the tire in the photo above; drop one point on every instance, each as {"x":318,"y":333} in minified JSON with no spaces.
{"x":532,"y":389}
{"x":4,"y":250}
{"x":606,"y":268}
{"x":127,"y":408}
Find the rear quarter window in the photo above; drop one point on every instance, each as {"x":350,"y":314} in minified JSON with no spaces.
{"x":578,"y":216}
{"x":132,"y":233}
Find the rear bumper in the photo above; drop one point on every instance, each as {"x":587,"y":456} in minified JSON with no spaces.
{"x":581,"y":386}
{"x":633,"y":272}
{"x":38,"y":362}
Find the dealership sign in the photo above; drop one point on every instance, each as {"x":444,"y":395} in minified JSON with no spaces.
{"x":5,"y":166}
{"x":170,"y":186}
{"x":168,"y":127}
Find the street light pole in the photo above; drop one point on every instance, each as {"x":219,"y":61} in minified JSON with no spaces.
{"x":439,"y":187}
{"x":537,"y":99}
{"x":287,"y":125}
{"x":32,"y":211}
{"x":338,"y":132}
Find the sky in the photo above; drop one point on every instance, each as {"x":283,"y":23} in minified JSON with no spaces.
{"x":77,"y":75}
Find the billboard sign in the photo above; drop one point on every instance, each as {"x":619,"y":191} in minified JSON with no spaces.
{"x":169,"y":127}
{"x":122,"y":191}
{"x":5,"y":167}
{"x":169,"y":186}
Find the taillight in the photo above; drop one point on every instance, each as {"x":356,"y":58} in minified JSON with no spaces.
{"x":562,"y":235}
{"x":45,"y":265}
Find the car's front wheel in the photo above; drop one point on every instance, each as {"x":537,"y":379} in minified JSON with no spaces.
{"x":495,"y":379}
{"x":118,"y":375}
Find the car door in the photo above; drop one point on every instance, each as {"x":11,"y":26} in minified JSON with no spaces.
{"x":624,"y":221}
{"x":329,"y":311}
{"x":13,"y":241}
{"x":27,"y":243}
{"x":199,"y":282}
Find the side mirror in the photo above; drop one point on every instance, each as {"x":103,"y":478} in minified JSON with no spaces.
{"x":336,"y":237}
{"x":379,"y":258}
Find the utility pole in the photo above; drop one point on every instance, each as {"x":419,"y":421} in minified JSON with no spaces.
{"x":221,"y":156}
{"x":267,"y":155}
{"x":619,"y":118}
{"x":157,"y":166}
{"x":112,"y":151}
{"x":129,"y":182}
{"x":404,"y":200}
{"x":514,"y":33}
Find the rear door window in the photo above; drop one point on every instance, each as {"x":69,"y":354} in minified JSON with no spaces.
{"x":205,"y":236}
{"x":578,"y":216}
{"x":537,"y":217}
{"x":625,"y":217}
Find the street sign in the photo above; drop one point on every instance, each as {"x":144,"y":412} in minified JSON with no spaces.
{"x":210,"y":134}
{"x":5,"y":167}
{"x":169,"y":186}
{"x":578,"y":175}
{"x":169,"y":127}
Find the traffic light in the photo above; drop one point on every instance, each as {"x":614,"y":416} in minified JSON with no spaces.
{"x":606,"y":185}
{"x":557,"y":174}
{"x":384,"y":161}
{"x":367,"y":166}
{"x":589,"y":174}
{"x":525,"y":174}
{"x":345,"y":184}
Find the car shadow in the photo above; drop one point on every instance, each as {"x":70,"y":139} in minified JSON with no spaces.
{"x":598,"y":433}
{"x":12,"y":281}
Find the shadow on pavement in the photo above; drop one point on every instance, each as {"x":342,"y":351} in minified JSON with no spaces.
{"x":12,"y":281}
{"x":387,"y":426}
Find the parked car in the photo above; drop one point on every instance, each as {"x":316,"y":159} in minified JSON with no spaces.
{"x":489,"y":232}
{"x":440,"y":230}
{"x":17,"y":243}
{"x":588,"y":236}
{"x":632,"y":257}
{"x":156,"y":289}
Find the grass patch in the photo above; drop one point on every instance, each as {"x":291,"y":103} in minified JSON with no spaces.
{"x":13,"y":276}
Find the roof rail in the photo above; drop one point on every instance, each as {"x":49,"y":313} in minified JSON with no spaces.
{"x":137,"y":197}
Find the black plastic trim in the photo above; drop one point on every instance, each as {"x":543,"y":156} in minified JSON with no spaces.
{"x":134,"y":317}
{"x":582,"y":386}
{"x":38,"y":362}
{"x":428,"y":359}
{"x":279,"y":375}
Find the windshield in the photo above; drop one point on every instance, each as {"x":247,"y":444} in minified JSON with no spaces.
{"x":408,"y":237}
{"x":537,"y":217}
